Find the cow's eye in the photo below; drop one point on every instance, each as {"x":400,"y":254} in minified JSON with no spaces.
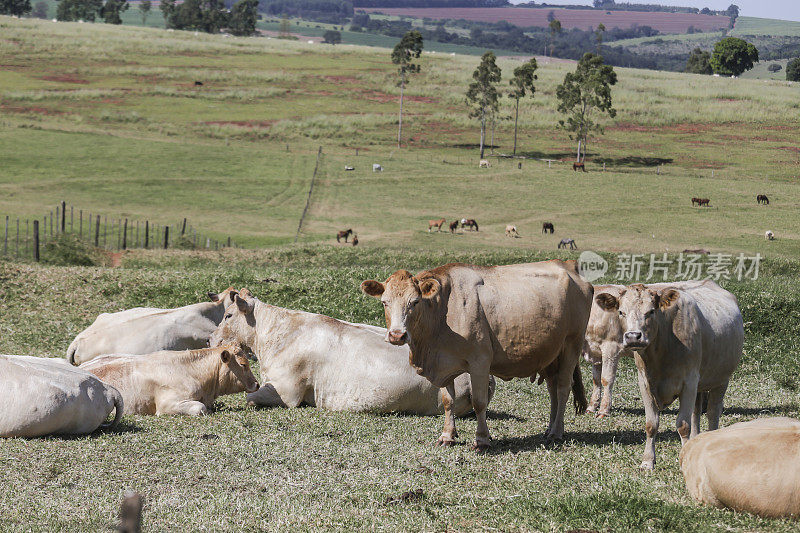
{"x":384,"y":303}
{"x":412,"y":303}
{"x":621,"y":314}
{"x":228,"y":316}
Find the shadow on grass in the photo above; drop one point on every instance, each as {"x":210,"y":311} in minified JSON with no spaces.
{"x":743,"y":411}
{"x":589,"y":438}
{"x":537,"y":154}
{"x":496,"y":415}
{"x":633,"y":161}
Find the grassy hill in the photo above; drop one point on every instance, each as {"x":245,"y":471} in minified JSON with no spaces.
{"x":123,"y":130}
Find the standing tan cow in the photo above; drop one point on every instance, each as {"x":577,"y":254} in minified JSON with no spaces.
{"x":175,"y":383}
{"x":311,"y":359}
{"x":686,"y":341}
{"x":750,"y":466}
{"x":147,"y":329}
{"x":40,"y":396}
{"x":507,"y":321}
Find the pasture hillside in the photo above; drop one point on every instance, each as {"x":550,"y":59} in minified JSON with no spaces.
{"x":110,"y":120}
{"x":584,"y":19}
{"x":311,"y":470}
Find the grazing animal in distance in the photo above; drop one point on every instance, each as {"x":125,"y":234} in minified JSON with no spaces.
{"x":511,"y":231}
{"x":42,"y":396}
{"x":175,"y":383}
{"x":436,"y":224}
{"x":344,"y":235}
{"x":198,"y":83}
{"x":548,"y":227}
{"x":469,"y":223}
{"x":377,"y":168}
{"x":768,"y":235}
{"x":484,"y":164}
{"x":695,"y":201}
{"x":147,"y":329}
{"x":348,"y":167}
{"x":567,"y":242}
{"x":750,"y":466}
{"x":340,"y":366}
{"x":355,"y":240}
{"x":762,"y":199}
{"x":453,"y":226}
{"x":705,"y":202}
{"x":687,"y":341}
{"x":579,"y":166}
{"x":508,"y":321}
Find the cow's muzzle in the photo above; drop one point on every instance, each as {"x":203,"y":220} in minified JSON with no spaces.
{"x":397,"y":337}
{"x":635,"y":339}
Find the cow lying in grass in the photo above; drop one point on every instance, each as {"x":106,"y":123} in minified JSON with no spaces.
{"x":310,"y":359}
{"x":175,"y":383}
{"x":42,"y":396}
{"x":146,"y":329}
{"x":750,"y":466}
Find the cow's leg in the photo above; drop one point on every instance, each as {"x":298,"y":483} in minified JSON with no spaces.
{"x":449,"y":433}
{"x":480,"y":401}
{"x":651,"y":415}
{"x":597,"y":372}
{"x":610,"y":363}
{"x":688,"y":399}
{"x":274,"y":394}
{"x":715,"y":405}
{"x":182,"y":407}
{"x":570,"y":355}
{"x":552,"y":389}
{"x":696,"y":413}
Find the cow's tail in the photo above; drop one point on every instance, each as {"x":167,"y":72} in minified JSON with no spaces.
{"x":578,"y":391}
{"x":71,"y":352}
{"x":476,"y":225}
{"x":119,"y":407}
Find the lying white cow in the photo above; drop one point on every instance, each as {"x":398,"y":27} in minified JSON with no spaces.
{"x":312,"y":359}
{"x":750,"y":466}
{"x":175,"y":383}
{"x":484,"y":163}
{"x":146,"y":329}
{"x":42,"y":396}
{"x":686,"y":341}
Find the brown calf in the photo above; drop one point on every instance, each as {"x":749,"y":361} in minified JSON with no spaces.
{"x":762,"y":199}
{"x":577,"y":166}
{"x":453,"y":226}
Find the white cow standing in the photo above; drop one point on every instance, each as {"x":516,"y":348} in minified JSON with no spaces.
{"x":146,"y":329}
{"x":41,"y":396}
{"x":311,"y":359}
{"x":686,"y":341}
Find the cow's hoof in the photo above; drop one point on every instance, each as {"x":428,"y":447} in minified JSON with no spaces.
{"x":647,"y":466}
{"x":480,"y":448}
{"x":445,"y":442}
{"x":602,"y":415}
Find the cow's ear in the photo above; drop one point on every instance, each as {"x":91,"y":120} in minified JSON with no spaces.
{"x":429,"y":287}
{"x":225,"y":356}
{"x":373,"y":288}
{"x":607,"y":302}
{"x":243,"y":305}
{"x":667,"y":298}
{"x":213,"y":296}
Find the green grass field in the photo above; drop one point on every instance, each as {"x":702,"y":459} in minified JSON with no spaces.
{"x":307,"y":469}
{"x":109,"y":119}
{"x":761,"y":26}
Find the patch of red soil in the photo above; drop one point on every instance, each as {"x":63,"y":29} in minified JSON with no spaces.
{"x":242,"y":123}
{"x":65,"y":78}
{"x":31,"y":109}
{"x":342,"y":80}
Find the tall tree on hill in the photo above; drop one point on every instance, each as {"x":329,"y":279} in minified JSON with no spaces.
{"x":16,"y":8}
{"x":699,"y":62}
{"x":73,"y":10}
{"x":733,"y":56}
{"x":521,"y":85}
{"x":582,"y":94}
{"x":112,"y":10}
{"x":598,"y":34}
{"x":244,"y":15}
{"x":482,"y":95}
{"x":555,"y":29}
{"x":793,"y":70}
{"x":144,"y":8}
{"x":405,"y":52}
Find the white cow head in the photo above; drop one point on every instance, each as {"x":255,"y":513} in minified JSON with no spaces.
{"x":638,"y":308}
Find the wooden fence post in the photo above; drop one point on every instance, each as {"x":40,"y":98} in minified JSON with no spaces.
{"x":51,"y":223}
{"x":27,"y":241}
{"x":229,"y":241}
{"x":125,"y":235}
{"x":146,"y":234}
{"x":166,"y":236}
{"x":36,"y":240}
{"x":63,"y":215}
{"x":58,"y":217}
{"x":80,"y":225}
{"x":97,"y":233}
{"x":183,"y":228}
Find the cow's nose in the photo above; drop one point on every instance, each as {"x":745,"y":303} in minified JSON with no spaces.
{"x":255,"y":387}
{"x":397,"y":337}
{"x":633,"y":336}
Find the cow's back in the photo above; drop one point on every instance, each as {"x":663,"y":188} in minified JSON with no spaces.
{"x":522,"y":313}
{"x":43,"y":397}
{"x":750,"y":466}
